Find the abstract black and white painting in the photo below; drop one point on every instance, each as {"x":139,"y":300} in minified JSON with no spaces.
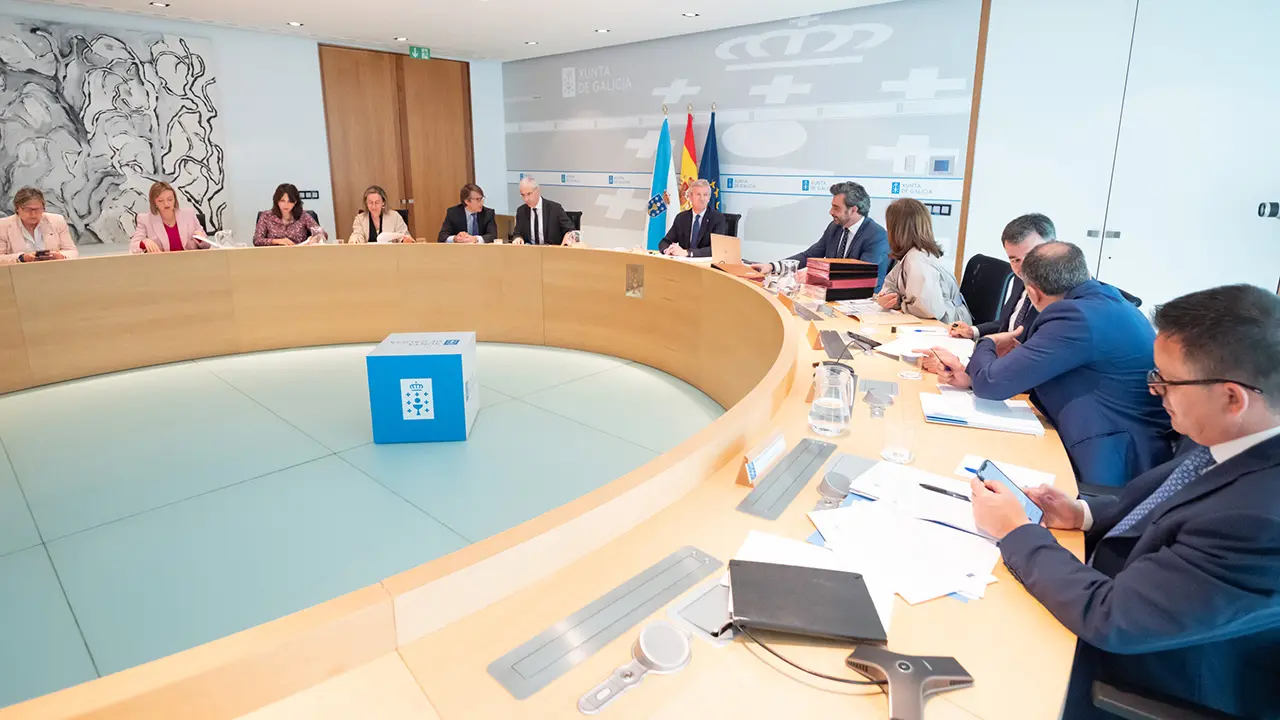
{"x":93,"y":116}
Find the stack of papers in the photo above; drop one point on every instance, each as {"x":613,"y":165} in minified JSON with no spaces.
{"x":954,"y":408}
{"x":918,"y":494}
{"x":869,"y":312}
{"x":911,"y":342}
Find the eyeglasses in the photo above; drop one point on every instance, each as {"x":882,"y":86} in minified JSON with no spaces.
{"x":1158,"y":385}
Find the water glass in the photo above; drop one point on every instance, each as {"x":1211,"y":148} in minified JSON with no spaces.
{"x":832,"y":400}
{"x":899,"y":435}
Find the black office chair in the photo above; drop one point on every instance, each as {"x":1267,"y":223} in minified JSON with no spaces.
{"x":403,"y":214}
{"x":986,"y":280}
{"x":575,"y":216}
{"x":1137,"y":301}
{"x":313,"y":215}
{"x":731,"y":221}
{"x":1131,"y":705}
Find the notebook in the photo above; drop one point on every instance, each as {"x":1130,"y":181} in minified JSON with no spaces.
{"x":953,"y":408}
{"x":804,"y":601}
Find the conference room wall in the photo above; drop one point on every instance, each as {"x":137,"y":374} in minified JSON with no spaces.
{"x":824,"y":99}
{"x":487,"y":133}
{"x":269,"y":101}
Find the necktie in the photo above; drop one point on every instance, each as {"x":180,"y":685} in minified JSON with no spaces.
{"x":1022,"y":313}
{"x":1196,"y":463}
{"x":471,"y":224}
{"x":537,"y":231}
{"x":697,"y":225}
{"x":844,"y":243}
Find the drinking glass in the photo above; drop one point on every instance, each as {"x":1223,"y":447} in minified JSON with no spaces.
{"x":832,"y":400}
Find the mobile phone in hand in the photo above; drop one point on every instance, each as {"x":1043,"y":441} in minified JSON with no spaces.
{"x":989,"y":471}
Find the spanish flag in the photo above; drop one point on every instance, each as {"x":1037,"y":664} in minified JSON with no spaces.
{"x":688,"y":165}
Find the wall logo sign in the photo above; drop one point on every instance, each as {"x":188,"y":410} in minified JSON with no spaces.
{"x":610,"y":179}
{"x":804,"y":185}
{"x":827,"y":39}
{"x":597,"y":80}
{"x":568,"y":82}
{"x":729,"y":183}
{"x":415,"y":399}
{"x":896,"y":188}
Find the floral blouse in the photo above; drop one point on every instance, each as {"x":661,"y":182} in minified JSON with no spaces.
{"x":271,"y":227}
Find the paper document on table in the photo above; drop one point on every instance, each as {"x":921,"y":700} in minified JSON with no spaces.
{"x":1021,"y":476}
{"x":965,"y":409}
{"x":919,"y":560}
{"x":925,"y":342}
{"x":766,"y":548}
{"x":869,"y":312}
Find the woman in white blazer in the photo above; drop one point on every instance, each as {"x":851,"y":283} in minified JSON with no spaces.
{"x":920,"y":284}
{"x":31,"y":234}
{"x":167,"y":228}
{"x":376,"y":222}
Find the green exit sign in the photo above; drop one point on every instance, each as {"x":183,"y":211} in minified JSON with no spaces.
{"x":419,"y":53}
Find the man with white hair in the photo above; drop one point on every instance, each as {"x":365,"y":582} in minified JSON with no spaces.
{"x":690,"y":233}
{"x":540,"y":221}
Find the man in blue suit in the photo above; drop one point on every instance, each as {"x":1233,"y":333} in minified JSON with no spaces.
{"x":851,"y":235}
{"x":1180,"y":594}
{"x":1085,"y":364}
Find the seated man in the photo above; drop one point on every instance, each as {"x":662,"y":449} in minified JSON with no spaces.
{"x":540,"y":221}
{"x":851,"y":234}
{"x":471,"y":221}
{"x":1085,"y":364}
{"x":1022,"y":235}
{"x":690,"y":234}
{"x":1180,"y":594}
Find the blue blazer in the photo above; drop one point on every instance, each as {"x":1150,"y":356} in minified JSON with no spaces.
{"x":1002,"y":323}
{"x":869,"y":244}
{"x":1186,"y":602}
{"x":1085,"y":363}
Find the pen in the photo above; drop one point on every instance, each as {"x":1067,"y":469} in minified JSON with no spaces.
{"x":941,"y":491}
{"x":939,"y":359}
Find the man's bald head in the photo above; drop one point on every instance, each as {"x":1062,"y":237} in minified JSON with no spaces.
{"x":1055,"y":268}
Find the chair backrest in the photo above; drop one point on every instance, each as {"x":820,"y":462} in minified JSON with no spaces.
{"x":313,"y":215}
{"x":983,"y":287}
{"x":1137,"y":301}
{"x":404,"y":214}
{"x":731,"y":221}
{"x":506,"y":225}
{"x":575,"y":216}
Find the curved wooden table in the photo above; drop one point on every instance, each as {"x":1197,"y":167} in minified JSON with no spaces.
{"x":445,"y":621}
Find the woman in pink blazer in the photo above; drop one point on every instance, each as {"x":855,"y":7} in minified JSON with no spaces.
{"x":167,"y":228}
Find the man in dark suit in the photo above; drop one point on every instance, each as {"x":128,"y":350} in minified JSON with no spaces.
{"x":470,"y":222}
{"x":851,"y":234}
{"x":540,"y":221}
{"x":1021,"y":236}
{"x":690,"y":233}
{"x":1180,"y":592}
{"x":1085,"y":364}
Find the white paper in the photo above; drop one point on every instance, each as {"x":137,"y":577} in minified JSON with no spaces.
{"x":965,"y":409}
{"x":1021,"y":476}
{"x":912,"y":342}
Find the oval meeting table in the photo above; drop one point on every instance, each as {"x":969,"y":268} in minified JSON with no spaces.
{"x":419,"y":644}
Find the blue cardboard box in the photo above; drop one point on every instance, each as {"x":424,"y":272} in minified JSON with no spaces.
{"x":423,"y":387}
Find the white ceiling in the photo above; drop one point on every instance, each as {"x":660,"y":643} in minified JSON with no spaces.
{"x":478,"y":29}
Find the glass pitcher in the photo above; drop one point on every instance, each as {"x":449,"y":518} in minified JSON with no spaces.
{"x":788,"y":283}
{"x":832,"y":400}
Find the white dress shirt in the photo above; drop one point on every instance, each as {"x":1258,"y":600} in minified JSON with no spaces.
{"x":35,"y":241}
{"x":1016,"y":309}
{"x":1221,"y":453}
{"x":542,"y":225}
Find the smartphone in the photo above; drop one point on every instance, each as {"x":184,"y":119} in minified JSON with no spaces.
{"x":989,"y":471}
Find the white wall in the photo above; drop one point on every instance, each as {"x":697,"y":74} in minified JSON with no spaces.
{"x":488,"y":134}
{"x":270,"y":102}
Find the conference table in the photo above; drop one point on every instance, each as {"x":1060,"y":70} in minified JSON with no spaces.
{"x":448,"y":619}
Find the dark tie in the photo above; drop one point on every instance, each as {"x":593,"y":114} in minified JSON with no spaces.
{"x":697,"y":225}
{"x":1022,"y":314}
{"x":844,"y":243}
{"x":471,"y":224}
{"x":1196,"y":463}
{"x":537,"y":231}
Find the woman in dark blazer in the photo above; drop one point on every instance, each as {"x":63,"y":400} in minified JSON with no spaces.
{"x":470,"y":222}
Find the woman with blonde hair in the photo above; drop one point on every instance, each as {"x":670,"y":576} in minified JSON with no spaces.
{"x":376,"y":222}
{"x":168,"y":227}
{"x":920,"y":284}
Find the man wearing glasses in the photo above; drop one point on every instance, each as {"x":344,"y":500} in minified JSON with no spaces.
{"x":1180,"y":593}
{"x":1084,"y":361}
{"x":470,"y":222}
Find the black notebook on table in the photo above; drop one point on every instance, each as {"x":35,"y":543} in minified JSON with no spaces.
{"x":804,"y":601}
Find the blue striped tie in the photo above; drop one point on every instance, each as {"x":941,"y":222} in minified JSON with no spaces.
{"x":1196,"y":463}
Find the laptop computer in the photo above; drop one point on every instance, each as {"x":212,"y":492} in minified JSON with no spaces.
{"x":804,"y":601}
{"x":726,"y":249}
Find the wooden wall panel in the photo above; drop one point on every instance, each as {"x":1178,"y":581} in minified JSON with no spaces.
{"x":362,"y":114}
{"x":113,"y":313}
{"x":437,"y":107}
{"x":314,"y":295}
{"x":14,"y":371}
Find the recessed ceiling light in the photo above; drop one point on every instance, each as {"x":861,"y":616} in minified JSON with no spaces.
{"x":402,"y":39}
{"x":603,"y":30}
{"x":160,"y":4}
{"x":690,"y":14}
{"x":295,"y":24}
{"x":530,"y":42}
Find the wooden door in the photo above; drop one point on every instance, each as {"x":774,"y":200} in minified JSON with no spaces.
{"x":437,"y":112}
{"x":362,"y":113}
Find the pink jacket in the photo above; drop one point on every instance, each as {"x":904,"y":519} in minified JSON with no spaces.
{"x":151,"y":227}
{"x":53,"y":231}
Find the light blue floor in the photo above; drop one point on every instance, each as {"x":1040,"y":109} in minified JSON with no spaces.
{"x":145,"y":512}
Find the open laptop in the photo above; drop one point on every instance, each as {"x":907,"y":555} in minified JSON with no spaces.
{"x":726,"y":249}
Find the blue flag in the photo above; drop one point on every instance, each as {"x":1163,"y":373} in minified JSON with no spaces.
{"x":710,"y":169}
{"x":663,"y":181}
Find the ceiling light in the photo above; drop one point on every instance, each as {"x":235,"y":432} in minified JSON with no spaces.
{"x":160,"y":4}
{"x":530,"y":42}
{"x":402,"y":39}
{"x":602,"y":30}
{"x":690,"y":14}
{"x":295,"y":24}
